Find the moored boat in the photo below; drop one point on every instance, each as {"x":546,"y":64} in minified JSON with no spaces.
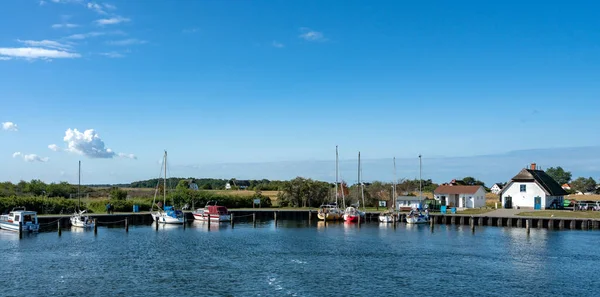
{"x":212,"y":212}
{"x":415,"y":217}
{"x":80,"y":220}
{"x":329,"y":212}
{"x":351,"y":214}
{"x":166,"y":214}
{"x":20,"y":216}
{"x":387,"y":217}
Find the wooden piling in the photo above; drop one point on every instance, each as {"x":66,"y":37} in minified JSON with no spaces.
{"x":472,"y":224}
{"x":156,"y":224}
{"x":184,"y":222}
{"x":453,"y":220}
{"x":231,"y":220}
{"x":208,"y":221}
{"x":519,"y":223}
{"x":95,"y":227}
{"x":359,"y":221}
{"x":126,"y":226}
{"x":528,"y":225}
{"x":551,"y":224}
{"x":561,"y":224}
{"x":275,"y":218}
{"x":540,"y":223}
{"x":480,"y":221}
{"x":309,"y":216}
{"x":21,"y":230}
{"x":573,"y":225}
{"x":254,"y":219}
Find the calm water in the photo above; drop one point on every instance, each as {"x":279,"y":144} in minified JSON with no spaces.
{"x":298,"y":260}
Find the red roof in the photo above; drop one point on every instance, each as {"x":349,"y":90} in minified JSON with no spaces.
{"x":448,"y":189}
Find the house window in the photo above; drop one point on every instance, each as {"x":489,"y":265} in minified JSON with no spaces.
{"x":523,"y":188}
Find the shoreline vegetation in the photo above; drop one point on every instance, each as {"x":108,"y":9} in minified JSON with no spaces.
{"x":298,"y":193}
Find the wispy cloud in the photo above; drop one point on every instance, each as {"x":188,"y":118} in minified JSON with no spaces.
{"x":277,"y":44}
{"x":113,"y":55}
{"x":66,"y":25}
{"x":111,"y":21}
{"x":94,"y":34}
{"x":109,"y":6}
{"x":36,"y":53}
{"x":124,"y":42}
{"x":5,"y":58}
{"x":46,"y":43}
{"x":87,"y":143}
{"x":9,"y":126}
{"x":30,"y":157}
{"x":42,"y":2}
{"x":191,"y":30}
{"x":311,"y":35}
{"x":96,"y":7}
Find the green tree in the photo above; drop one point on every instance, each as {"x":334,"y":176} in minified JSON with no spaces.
{"x":584,"y":185}
{"x":559,"y":175}
{"x":35,"y":187}
{"x":117,"y":194}
{"x":207,"y":187}
{"x":471,"y":181}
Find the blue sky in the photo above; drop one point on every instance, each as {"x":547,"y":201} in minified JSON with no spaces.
{"x":270,"y":82}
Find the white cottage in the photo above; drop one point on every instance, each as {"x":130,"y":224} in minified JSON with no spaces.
{"x":532,"y":188}
{"x":497,"y":188}
{"x":405,"y":203}
{"x":460,"y":196}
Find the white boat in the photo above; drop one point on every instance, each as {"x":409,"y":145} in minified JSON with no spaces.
{"x":329,"y":212}
{"x":165,"y":214}
{"x":78,"y":219}
{"x":214,"y":213}
{"x":351,"y":214}
{"x":82,"y":221}
{"x":415,"y":217}
{"x":27,"y":219}
{"x":387,"y":217}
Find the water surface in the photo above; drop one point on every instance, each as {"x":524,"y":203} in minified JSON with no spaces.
{"x":299,"y":260}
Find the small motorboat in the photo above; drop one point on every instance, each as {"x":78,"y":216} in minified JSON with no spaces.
{"x":20,"y":216}
{"x":81,"y":221}
{"x":387,"y":217}
{"x":415,"y":217}
{"x":212,"y":212}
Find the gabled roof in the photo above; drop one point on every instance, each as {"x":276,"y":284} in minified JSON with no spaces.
{"x":410,"y":198}
{"x":448,"y":189}
{"x":541,"y":178}
{"x":500,"y":185}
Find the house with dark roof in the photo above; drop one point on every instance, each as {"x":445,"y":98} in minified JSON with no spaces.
{"x":532,"y":188}
{"x":460,"y":196}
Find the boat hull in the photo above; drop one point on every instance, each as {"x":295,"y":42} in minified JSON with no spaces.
{"x":351,"y":218}
{"x":417,"y":220}
{"x":212,"y":217}
{"x":15,"y":227}
{"x":165,"y":219}
{"x":386,"y":219}
{"x":328,"y":216}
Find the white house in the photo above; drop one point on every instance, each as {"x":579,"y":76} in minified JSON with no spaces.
{"x":460,"y":196}
{"x":532,"y":188}
{"x":497,"y":188}
{"x":409,"y":202}
{"x":227,"y":186}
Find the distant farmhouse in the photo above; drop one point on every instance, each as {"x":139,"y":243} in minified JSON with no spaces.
{"x":532,"y":188}
{"x":240,"y":184}
{"x":497,"y":188}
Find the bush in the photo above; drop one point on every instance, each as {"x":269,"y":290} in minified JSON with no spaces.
{"x":117,"y":194}
{"x":39,"y":204}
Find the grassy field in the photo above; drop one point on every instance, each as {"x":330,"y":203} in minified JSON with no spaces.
{"x":562,"y":214}
{"x":474,"y":211}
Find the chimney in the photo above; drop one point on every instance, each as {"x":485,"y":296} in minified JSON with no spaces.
{"x":533,"y":166}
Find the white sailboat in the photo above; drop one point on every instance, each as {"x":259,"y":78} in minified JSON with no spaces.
{"x":165,"y":214}
{"x":78,"y":219}
{"x":389,"y":215}
{"x":416,"y":216}
{"x":331,"y":211}
{"x":352,"y":212}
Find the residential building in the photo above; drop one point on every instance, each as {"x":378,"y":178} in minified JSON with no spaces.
{"x":405,"y":203}
{"x":497,"y":188}
{"x":460,"y":196}
{"x":532,"y":188}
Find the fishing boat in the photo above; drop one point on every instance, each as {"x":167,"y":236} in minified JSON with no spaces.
{"x":212,"y":212}
{"x":78,"y":219}
{"x":329,"y":212}
{"x":20,"y":216}
{"x":165,"y":214}
{"x":417,"y":217}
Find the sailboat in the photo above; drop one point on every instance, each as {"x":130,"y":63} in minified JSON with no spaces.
{"x":78,"y":219}
{"x":389,"y":215}
{"x":416,"y":216}
{"x":165,"y":214}
{"x":331,"y":211}
{"x":352,"y":213}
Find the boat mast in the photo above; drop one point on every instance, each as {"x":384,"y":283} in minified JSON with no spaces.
{"x":165,"y":182}
{"x":420,"y":179}
{"x":394,"y":185}
{"x":362,"y":188}
{"x":358,"y":188}
{"x":79,"y":186}
{"x":336,"y":174}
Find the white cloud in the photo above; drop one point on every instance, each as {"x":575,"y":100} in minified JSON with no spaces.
{"x":113,"y":55}
{"x":127,"y":156}
{"x":42,"y":2}
{"x":46,"y":43}
{"x":5,"y":58}
{"x":88,"y":144}
{"x":131,"y":41}
{"x":109,"y":6}
{"x":111,"y":21}
{"x":96,"y":7}
{"x":277,"y":44}
{"x":54,"y":147}
{"x":30,"y":157}
{"x":311,"y":35}
{"x":36,"y":53}
{"x":9,"y":126}
{"x":67,"y":25}
{"x":94,"y":34}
